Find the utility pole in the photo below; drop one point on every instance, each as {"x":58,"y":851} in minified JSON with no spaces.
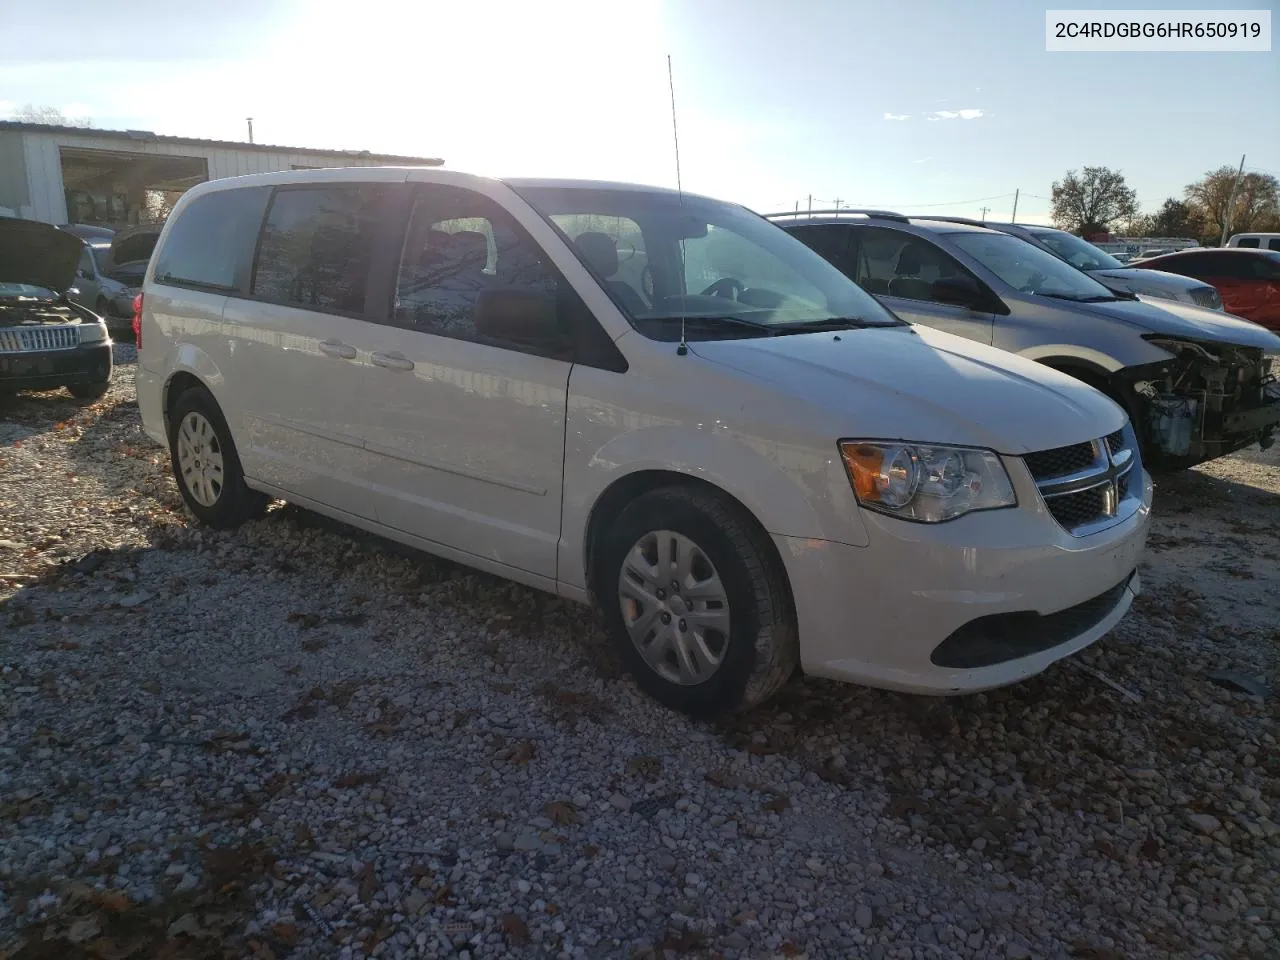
{"x":984,"y":213}
{"x":250,"y":121}
{"x":811,"y":206}
{"x":1014,"y":218}
{"x":1231,"y":204}
{"x":837,"y":206}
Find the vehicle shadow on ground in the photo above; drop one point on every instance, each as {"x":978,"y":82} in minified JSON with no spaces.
{"x":1196,"y":490}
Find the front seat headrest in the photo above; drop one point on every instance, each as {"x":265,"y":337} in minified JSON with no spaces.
{"x":600,"y":251}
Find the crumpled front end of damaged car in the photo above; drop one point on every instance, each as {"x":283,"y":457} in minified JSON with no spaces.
{"x":1205,"y":401}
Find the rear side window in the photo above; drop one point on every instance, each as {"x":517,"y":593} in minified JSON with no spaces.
{"x":317,"y":245}
{"x":207,"y":243}
{"x":1247,"y":242}
{"x":1273,"y":243}
{"x":830,"y":241}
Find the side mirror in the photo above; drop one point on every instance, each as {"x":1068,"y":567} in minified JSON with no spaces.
{"x":961,"y":291}
{"x":520,"y":317}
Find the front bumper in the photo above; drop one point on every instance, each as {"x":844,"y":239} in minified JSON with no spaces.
{"x":50,"y":369}
{"x":879,"y":614}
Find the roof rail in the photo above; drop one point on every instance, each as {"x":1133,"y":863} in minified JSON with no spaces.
{"x":807,"y":214}
{"x":946,"y":219}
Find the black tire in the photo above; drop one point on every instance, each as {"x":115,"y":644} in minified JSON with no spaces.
{"x":762,"y":650}
{"x":89,"y":391}
{"x":235,"y":502}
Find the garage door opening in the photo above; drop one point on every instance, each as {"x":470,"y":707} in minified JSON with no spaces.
{"x":118,"y":188}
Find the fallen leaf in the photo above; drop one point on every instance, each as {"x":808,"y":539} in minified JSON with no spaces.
{"x":523,"y":752}
{"x":348,"y":780}
{"x":368,"y":882}
{"x":514,"y":929}
{"x":286,"y":933}
{"x":778,"y":804}
{"x":789,"y":949}
{"x":83,"y":929}
{"x":560,"y":812}
{"x":590,"y":850}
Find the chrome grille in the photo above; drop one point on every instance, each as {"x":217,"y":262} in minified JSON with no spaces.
{"x":1086,"y":486}
{"x":31,"y":339}
{"x":1059,"y":462}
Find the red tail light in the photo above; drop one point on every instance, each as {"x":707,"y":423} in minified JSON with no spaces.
{"x":137,"y":320}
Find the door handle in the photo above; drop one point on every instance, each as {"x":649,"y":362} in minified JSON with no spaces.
{"x":337,"y":349}
{"x":392,"y":361}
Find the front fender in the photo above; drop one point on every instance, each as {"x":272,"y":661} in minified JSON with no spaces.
{"x":795,"y":490}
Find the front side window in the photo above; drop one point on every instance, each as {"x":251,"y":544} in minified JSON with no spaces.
{"x":1027,"y":268}
{"x":716,"y":266}
{"x":897,"y":264}
{"x":1247,"y":242}
{"x":466,"y":263}
{"x":317,"y":246}
{"x":1078,"y":252}
{"x":206,"y":244}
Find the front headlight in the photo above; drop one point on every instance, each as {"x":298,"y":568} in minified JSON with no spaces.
{"x":926,"y":483}
{"x":92,"y":332}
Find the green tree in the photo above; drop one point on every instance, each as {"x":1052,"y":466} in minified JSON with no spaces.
{"x":1176,"y":218}
{"x":1089,"y":202}
{"x":1257,"y":199}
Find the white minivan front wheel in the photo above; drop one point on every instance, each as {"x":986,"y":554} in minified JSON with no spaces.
{"x":696,"y":602}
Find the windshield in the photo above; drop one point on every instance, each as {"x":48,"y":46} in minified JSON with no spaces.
{"x":662,"y":259}
{"x":1026,"y":267}
{"x":26,"y":290}
{"x":1079,"y":253}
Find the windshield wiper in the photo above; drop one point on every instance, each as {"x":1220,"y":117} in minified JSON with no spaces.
{"x":838,"y":323}
{"x":693,"y":320}
{"x":1076,"y":299}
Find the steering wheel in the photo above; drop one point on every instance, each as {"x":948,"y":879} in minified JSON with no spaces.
{"x":730,"y":287}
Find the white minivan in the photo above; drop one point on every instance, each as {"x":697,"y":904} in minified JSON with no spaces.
{"x":657,"y":402}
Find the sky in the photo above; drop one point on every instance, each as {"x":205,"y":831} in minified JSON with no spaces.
{"x":913,"y":105}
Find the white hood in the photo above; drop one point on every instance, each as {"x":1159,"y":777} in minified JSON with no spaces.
{"x":923,"y":385}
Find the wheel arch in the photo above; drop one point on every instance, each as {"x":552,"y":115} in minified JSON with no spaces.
{"x":192,"y":367}
{"x":627,"y":489}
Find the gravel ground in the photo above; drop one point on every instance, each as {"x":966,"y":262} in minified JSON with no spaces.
{"x":296,"y":740}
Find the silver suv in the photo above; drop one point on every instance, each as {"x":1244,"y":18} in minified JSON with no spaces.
{"x":1106,"y":269}
{"x":1197,"y":383}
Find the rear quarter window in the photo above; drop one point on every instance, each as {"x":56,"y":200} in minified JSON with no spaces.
{"x":209,"y":243}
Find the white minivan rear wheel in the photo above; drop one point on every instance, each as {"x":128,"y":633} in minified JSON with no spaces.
{"x":696,"y":601}
{"x":205,"y":464}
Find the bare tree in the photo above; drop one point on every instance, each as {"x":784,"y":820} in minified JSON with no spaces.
{"x":1257,"y":199}
{"x":1091,"y":201}
{"x":29,"y":113}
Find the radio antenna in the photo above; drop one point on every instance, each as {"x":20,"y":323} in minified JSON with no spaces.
{"x":675,"y":136}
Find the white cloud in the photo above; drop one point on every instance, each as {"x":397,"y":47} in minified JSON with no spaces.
{"x":922,"y":160}
{"x":897,"y":116}
{"x":969,"y":113}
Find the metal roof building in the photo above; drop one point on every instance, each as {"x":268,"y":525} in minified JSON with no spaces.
{"x":120,"y":177}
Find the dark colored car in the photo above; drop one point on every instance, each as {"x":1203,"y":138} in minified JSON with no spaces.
{"x":1248,"y":280}
{"x":46,"y":339}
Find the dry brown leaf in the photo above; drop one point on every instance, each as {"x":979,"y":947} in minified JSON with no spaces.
{"x":523,"y":752}
{"x":560,"y":812}
{"x":285,"y":932}
{"x":514,"y":929}
{"x":346,"y":781}
{"x":368,"y":882}
{"x":778,"y":804}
